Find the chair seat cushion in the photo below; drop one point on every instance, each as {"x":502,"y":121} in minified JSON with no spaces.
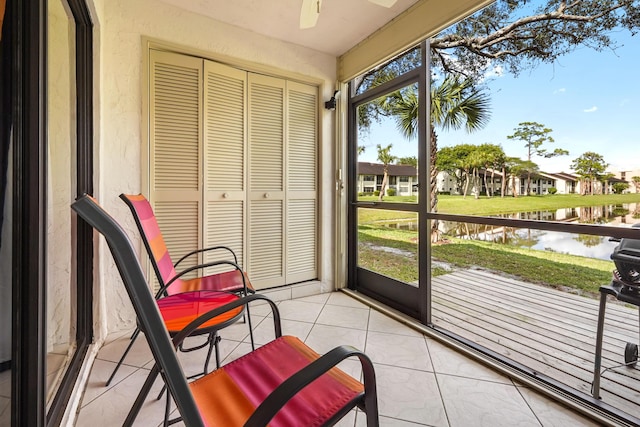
{"x":178,"y":310}
{"x":228,"y":396}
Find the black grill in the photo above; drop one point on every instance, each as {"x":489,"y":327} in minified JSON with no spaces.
{"x":626,"y":256}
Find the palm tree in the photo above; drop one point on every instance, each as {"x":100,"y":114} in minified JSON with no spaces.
{"x":385,"y":157}
{"x":455,"y":103}
{"x":493,"y":157}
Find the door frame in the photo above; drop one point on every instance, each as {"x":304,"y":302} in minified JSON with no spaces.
{"x":403,"y":297}
{"x":27,"y":61}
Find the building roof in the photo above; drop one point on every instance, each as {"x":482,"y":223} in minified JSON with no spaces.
{"x":378,"y":169}
{"x":561,"y":175}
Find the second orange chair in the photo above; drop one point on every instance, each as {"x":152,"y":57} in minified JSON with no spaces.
{"x":180,"y":299}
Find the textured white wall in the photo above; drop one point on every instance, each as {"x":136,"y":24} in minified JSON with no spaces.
{"x":123,"y":23}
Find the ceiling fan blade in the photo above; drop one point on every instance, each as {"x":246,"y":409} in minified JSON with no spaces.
{"x":384,"y":3}
{"x":309,"y":13}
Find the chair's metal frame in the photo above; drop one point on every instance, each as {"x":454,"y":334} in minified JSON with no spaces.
{"x":163,"y":348}
{"x":213,"y":339}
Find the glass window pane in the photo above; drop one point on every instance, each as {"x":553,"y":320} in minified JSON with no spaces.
{"x":532,"y":296}
{"x":387,"y":148}
{"x":388,"y":243}
{"x":61,"y":191}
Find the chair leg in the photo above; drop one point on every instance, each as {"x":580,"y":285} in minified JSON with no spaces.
{"x":162,"y":390}
{"x":167,"y":409}
{"x":142,"y":395}
{"x":215,"y":339}
{"x":132,"y":340}
{"x":253,"y":346}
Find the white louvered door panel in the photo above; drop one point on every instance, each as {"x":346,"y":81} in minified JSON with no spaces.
{"x":225,"y":140}
{"x":175,"y":132}
{"x":178,"y":222}
{"x":266,"y":181}
{"x":301,"y":226}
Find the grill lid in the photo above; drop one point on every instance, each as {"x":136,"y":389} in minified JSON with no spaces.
{"x":626,"y":257}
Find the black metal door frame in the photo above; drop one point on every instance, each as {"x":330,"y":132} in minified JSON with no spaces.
{"x":401,"y":296}
{"x":27,"y":62}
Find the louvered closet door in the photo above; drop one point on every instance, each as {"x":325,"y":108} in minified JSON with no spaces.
{"x":175,"y":107}
{"x":224,"y":153}
{"x":301,"y":196}
{"x":266,"y":181}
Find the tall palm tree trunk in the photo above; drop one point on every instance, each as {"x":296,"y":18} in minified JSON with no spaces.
{"x":433,"y":182}
{"x":385,"y":177}
{"x":493,"y":179}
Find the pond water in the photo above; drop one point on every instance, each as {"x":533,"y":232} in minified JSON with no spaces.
{"x":574,"y":244}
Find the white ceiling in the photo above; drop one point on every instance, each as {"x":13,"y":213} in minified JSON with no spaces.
{"x":341,"y":25}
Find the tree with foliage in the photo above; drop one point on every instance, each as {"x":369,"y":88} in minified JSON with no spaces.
{"x":453,"y":160}
{"x":534,"y":136}
{"x":515,"y":167}
{"x":408,"y":161}
{"x":511,"y":35}
{"x":517,"y":35}
{"x":386,"y":158}
{"x":492,"y":156}
{"x":604,"y":181}
{"x":475,"y":161}
{"x":619,"y":187}
{"x":636,"y":183}
{"x":589,"y":166}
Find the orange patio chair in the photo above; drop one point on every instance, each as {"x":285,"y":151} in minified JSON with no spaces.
{"x":283,"y":383}
{"x":195,"y":293}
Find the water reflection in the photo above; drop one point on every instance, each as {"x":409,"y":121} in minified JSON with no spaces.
{"x":574,"y":244}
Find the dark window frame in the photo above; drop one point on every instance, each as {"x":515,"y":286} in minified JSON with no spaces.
{"x":27,"y":60}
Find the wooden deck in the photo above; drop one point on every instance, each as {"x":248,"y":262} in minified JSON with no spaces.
{"x":550,"y":331}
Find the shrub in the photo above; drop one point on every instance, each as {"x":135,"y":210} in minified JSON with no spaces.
{"x":619,"y":187}
{"x":552,"y":190}
{"x":376,"y":193}
{"x":391,"y":191}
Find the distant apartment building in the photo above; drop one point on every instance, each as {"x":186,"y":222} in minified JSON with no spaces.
{"x":627,"y":175}
{"x":402,"y":178}
{"x":565,"y":183}
{"x":540,"y":183}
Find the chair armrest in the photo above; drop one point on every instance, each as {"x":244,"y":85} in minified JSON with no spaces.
{"x":281,"y":395}
{"x":163,"y":289}
{"x":212,"y":248}
{"x":195,"y":324}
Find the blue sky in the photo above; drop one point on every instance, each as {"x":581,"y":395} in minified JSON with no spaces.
{"x":590,"y":99}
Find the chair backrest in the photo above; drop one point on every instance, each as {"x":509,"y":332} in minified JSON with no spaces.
{"x":150,"y":320}
{"x":153,"y":240}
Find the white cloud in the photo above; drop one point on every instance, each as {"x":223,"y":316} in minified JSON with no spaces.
{"x":591,"y":110}
{"x":561,"y":90}
{"x":496,"y":71}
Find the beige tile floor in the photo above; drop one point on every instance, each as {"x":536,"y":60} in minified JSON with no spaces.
{"x":420,"y":381}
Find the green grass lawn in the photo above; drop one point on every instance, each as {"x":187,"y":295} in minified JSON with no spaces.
{"x":556,"y":270}
{"x":393,"y":252}
{"x":499,"y":205}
